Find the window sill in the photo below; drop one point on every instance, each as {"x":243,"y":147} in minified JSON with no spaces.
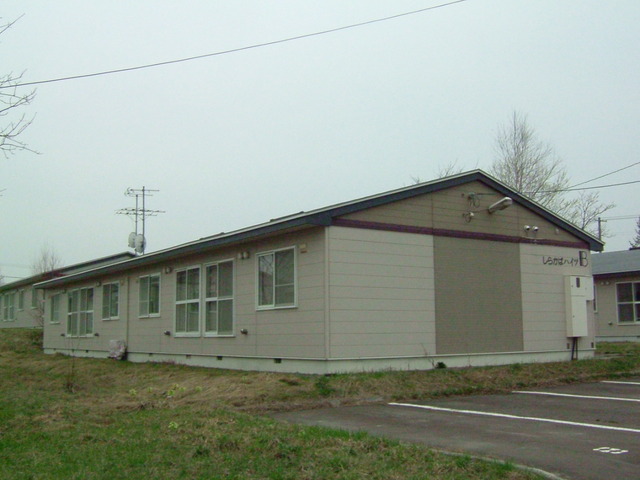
{"x":277,"y":307}
{"x":219,"y":335}
{"x":143,"y":317}
{"x":628,"y":324}
{"x":113,"y":319}
{"x":90,"y":335}
{"x":187,"y":335}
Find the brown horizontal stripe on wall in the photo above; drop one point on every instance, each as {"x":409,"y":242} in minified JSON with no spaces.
{"x":440,"y":232}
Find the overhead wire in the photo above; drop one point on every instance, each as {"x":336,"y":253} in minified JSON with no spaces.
{"x":605,"y":175}
{"x":586,"y":188}
{"x":622,"y":217}
{"x":233,"y":50}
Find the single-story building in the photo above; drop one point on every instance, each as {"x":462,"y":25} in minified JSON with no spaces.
{"x":617,"y":282}
{"x":21,"y":305}
{"x":462,"y":270}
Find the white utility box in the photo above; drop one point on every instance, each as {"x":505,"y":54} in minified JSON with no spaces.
{"x":577,"y":291}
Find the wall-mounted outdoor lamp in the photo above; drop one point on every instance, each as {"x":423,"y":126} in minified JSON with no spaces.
{"x":506,"y":202}
{"x":167,"y":332}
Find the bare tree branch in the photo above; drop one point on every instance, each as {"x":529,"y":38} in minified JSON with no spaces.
{"x":586,"y":209}
{"x":451,"y":168}
{"x":531,"y":167}
{"x":12,"y":100}
{"x":46,"y":261}
{"x":635,"y":243}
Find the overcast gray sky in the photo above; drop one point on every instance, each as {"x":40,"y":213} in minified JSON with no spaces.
{"x":234,"y":140}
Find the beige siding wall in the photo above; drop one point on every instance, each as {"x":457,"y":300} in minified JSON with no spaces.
{"x":104,"y":330}
{"x":478,"y":307}
{"x":543,"y":299}
{"x":290,"y":332}
{"x":54,"y":330}
{"x":444,"y":210}
{"x":607,"y":326}
{"x":381,"y":294}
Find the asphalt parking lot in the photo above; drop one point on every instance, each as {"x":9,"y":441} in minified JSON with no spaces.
{"x":580,"y":432}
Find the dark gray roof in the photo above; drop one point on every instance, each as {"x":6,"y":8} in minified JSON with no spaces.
{"x":324,"y":217}
{"x":610,"y":263}
{"x":68,"y":270}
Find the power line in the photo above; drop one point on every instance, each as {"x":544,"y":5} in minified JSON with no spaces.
{"x":605,"y":175}
{"x":233,"y":50}
{"x":584,"y":188}
{"x":622,"y":217}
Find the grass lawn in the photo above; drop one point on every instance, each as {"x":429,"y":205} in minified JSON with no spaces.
{"x":69,"y":418}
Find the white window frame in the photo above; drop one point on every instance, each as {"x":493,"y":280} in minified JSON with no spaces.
{"x":54,"y":314}
{"x":219,"y":298}
{"x":9,"y":307}
{"x":80,"y":312}
{"x":21,"y":300}
{"x":12,"y":307}
{"x":148,"y":296}
{"x":34,"y":298}
{"x":197,"y":301}
{"x":107,"y":290}
{"x":634,"y":304}
{"x":274,"y":306}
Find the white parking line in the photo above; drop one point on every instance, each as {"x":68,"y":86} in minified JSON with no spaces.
{"x":621,"y":383}
{"x":517,"y":417}
{"x":593,"y":397}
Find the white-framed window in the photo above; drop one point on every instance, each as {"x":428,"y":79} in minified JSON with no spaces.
{"x":9,"y":307}
{"x":34,"y":298}
{"x":54,"y":313}
{"x":80,"y":313}
{"x":277,"y":279}
{"x":628,"y":299}
{"x":110,"y":301}
{"x":188,"y":302}
{"x":219,"y":299}
{"x":21,"y":299}
{"x":149,"y":296}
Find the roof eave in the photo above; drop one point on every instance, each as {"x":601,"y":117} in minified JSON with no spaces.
{"x":191,"y":249}
{"x":324,"y":217}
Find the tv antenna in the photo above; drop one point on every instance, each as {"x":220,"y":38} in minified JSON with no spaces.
{"x":137,"y":239}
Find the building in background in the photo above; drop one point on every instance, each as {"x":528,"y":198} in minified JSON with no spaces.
{"x":21,"y":305}
{"x":461,"y":270}
{"x":617,"y":282}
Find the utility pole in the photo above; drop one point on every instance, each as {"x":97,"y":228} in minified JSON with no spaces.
{"x":138,"y":240}
{"x":600,"y":220}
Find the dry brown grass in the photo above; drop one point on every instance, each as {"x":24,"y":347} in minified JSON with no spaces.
{"x":110,"y":385}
